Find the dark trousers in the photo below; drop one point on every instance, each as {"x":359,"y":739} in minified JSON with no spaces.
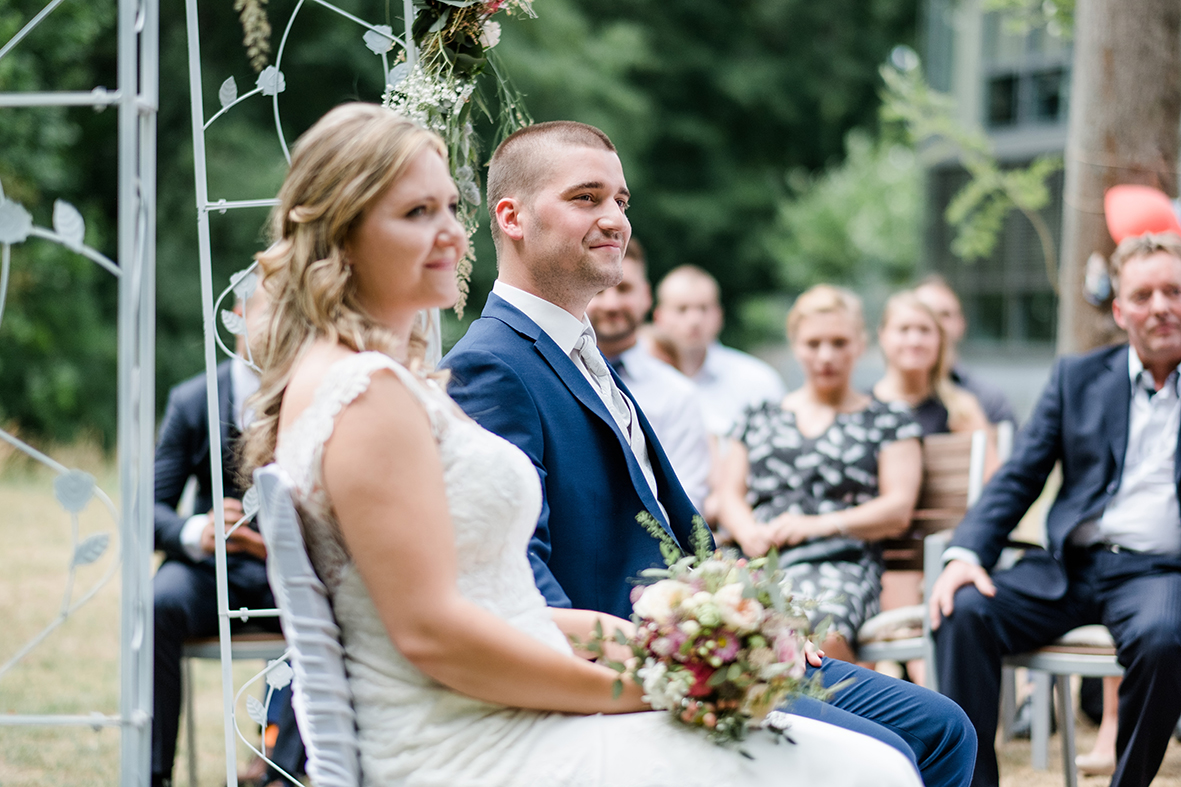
{"x":929,"y":729}
{"x":185,"y":605}
{"x":1138,"y":598}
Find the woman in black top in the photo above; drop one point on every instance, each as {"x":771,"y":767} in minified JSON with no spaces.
{"x":824,"y":474}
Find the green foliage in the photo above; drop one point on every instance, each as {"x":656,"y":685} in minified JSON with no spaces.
{"x":57,"y":337}
{"x":710,"y":104}
{"x":855,"y":223}
{"x":978,"y":210}
{"x":1057,"y":16}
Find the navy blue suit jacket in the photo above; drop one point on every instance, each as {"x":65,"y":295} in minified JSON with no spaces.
{"x":183,"y":451}
{"x":1081,"y":420}
{"x":511,"y":377}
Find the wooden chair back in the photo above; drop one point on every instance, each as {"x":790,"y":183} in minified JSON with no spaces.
{"x":953,"y":475}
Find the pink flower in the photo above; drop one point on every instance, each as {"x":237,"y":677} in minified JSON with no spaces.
{"x":727,"y":645}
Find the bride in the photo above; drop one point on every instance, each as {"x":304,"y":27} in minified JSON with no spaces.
{"x":417,"y":519}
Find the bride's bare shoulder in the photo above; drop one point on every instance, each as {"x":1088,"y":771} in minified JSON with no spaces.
{"x":313,"y":369}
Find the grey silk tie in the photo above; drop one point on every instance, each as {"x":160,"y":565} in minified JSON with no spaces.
{"x":608,"y":391}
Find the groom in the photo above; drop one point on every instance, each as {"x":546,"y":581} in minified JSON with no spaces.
{"x":529,"y":371}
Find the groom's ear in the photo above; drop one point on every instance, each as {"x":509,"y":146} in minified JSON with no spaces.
{"x":508,"y":218}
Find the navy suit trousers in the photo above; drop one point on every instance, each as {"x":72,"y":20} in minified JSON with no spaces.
{"x":1138,"y":598}
{"x":928,"y":728}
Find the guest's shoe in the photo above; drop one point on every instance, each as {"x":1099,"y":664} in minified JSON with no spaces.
{"x":1094,"y":764}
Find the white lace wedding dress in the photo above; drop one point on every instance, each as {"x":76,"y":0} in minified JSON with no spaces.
{"x":415,"y":731}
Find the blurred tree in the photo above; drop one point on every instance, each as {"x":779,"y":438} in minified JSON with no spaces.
{"x":57,"y":337}
{"x":710,"y":104}
{"x":856,"y":223}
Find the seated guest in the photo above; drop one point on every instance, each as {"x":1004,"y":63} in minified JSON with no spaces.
{"x":1111,"y":418}
{"x":913,"y":343}
{"x":689,"y":315}
{"x":665,"y":395}
{"x":184,"y":588}
{"x":826,"y":472}
{"x":942,"y":300}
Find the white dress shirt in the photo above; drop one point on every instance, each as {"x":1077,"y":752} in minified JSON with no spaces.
{"x":1143,"y":515}
{"x":565,"y":329}
{"x":729,"y":381}
{"x":243,"y":384}
{"x":673,"y":407}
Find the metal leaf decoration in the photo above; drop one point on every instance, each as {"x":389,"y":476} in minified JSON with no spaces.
{"x":271,"y":81}
{"x":398,"y":73}
{"x":379,"y":44}
{"x":234,"y":323}
{"x":73,"y":489}
{"x":280,"y":675}
{"x":228,"y":92}
{"x":91,"y":549}
{"x":250,"y":502}
{"x":68,"y":223}
{"x":15,"y":223}
{"x":256,"y":711}
{"x":244,"y":284}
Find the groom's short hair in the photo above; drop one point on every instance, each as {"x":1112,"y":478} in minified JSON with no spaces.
{"x":520,"y":163}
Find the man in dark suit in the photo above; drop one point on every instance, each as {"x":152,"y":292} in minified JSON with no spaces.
{"x":1111,"y":418}
{"x":184,"y":587}
{"x":529,"y":370}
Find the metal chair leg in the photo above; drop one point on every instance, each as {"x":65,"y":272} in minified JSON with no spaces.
{"x":1066,"y":725}
{"x":1008,"y":702}
{"x":1039,"y":732}
{"x":186,"y":677}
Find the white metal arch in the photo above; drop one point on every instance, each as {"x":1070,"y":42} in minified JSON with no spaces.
{"x":136,"y":100}
{"x":271,"y":83}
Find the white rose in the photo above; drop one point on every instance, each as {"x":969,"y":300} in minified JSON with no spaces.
{"x":660,"y":601}
{"x":741,"y":614}
{"x":491,"y":35}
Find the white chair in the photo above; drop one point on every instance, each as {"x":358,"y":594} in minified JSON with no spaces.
{"x":320,"y":691}
{"x":1088,"y":651}
{"x":953,"y":476}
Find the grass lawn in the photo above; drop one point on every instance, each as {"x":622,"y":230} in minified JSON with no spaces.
{"x":75,"y":670}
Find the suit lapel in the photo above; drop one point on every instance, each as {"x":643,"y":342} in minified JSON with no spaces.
{"x":498,"y":308}
{"x":1116,"y":387}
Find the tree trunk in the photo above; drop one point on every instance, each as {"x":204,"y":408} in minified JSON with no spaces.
{"x":1125,"y":111}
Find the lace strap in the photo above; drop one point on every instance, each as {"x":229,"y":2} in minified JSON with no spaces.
{"x":349,"y":378}
{"x":302,"y":445}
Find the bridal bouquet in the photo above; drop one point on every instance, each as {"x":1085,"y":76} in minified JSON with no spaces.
{"x":719,"y":643}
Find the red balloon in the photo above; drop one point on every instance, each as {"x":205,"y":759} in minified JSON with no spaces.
{"x":1135,"y":210}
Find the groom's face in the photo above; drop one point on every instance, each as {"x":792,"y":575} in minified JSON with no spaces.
{"x":575,"y":225}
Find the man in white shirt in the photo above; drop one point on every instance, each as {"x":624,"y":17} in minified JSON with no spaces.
{"x":689,"y":315}
{"x":666,"y":396}
{"x":1111,"y":418}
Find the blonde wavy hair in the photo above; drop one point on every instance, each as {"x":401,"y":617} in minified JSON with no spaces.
{"x":339,"y":168}
{"x":957,"y":401}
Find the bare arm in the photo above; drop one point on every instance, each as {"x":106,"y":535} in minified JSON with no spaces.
{"x":900,"y":472}
{"x":385,"y":479}
{"x":580,"y":623}
{"x":734,"y":513}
